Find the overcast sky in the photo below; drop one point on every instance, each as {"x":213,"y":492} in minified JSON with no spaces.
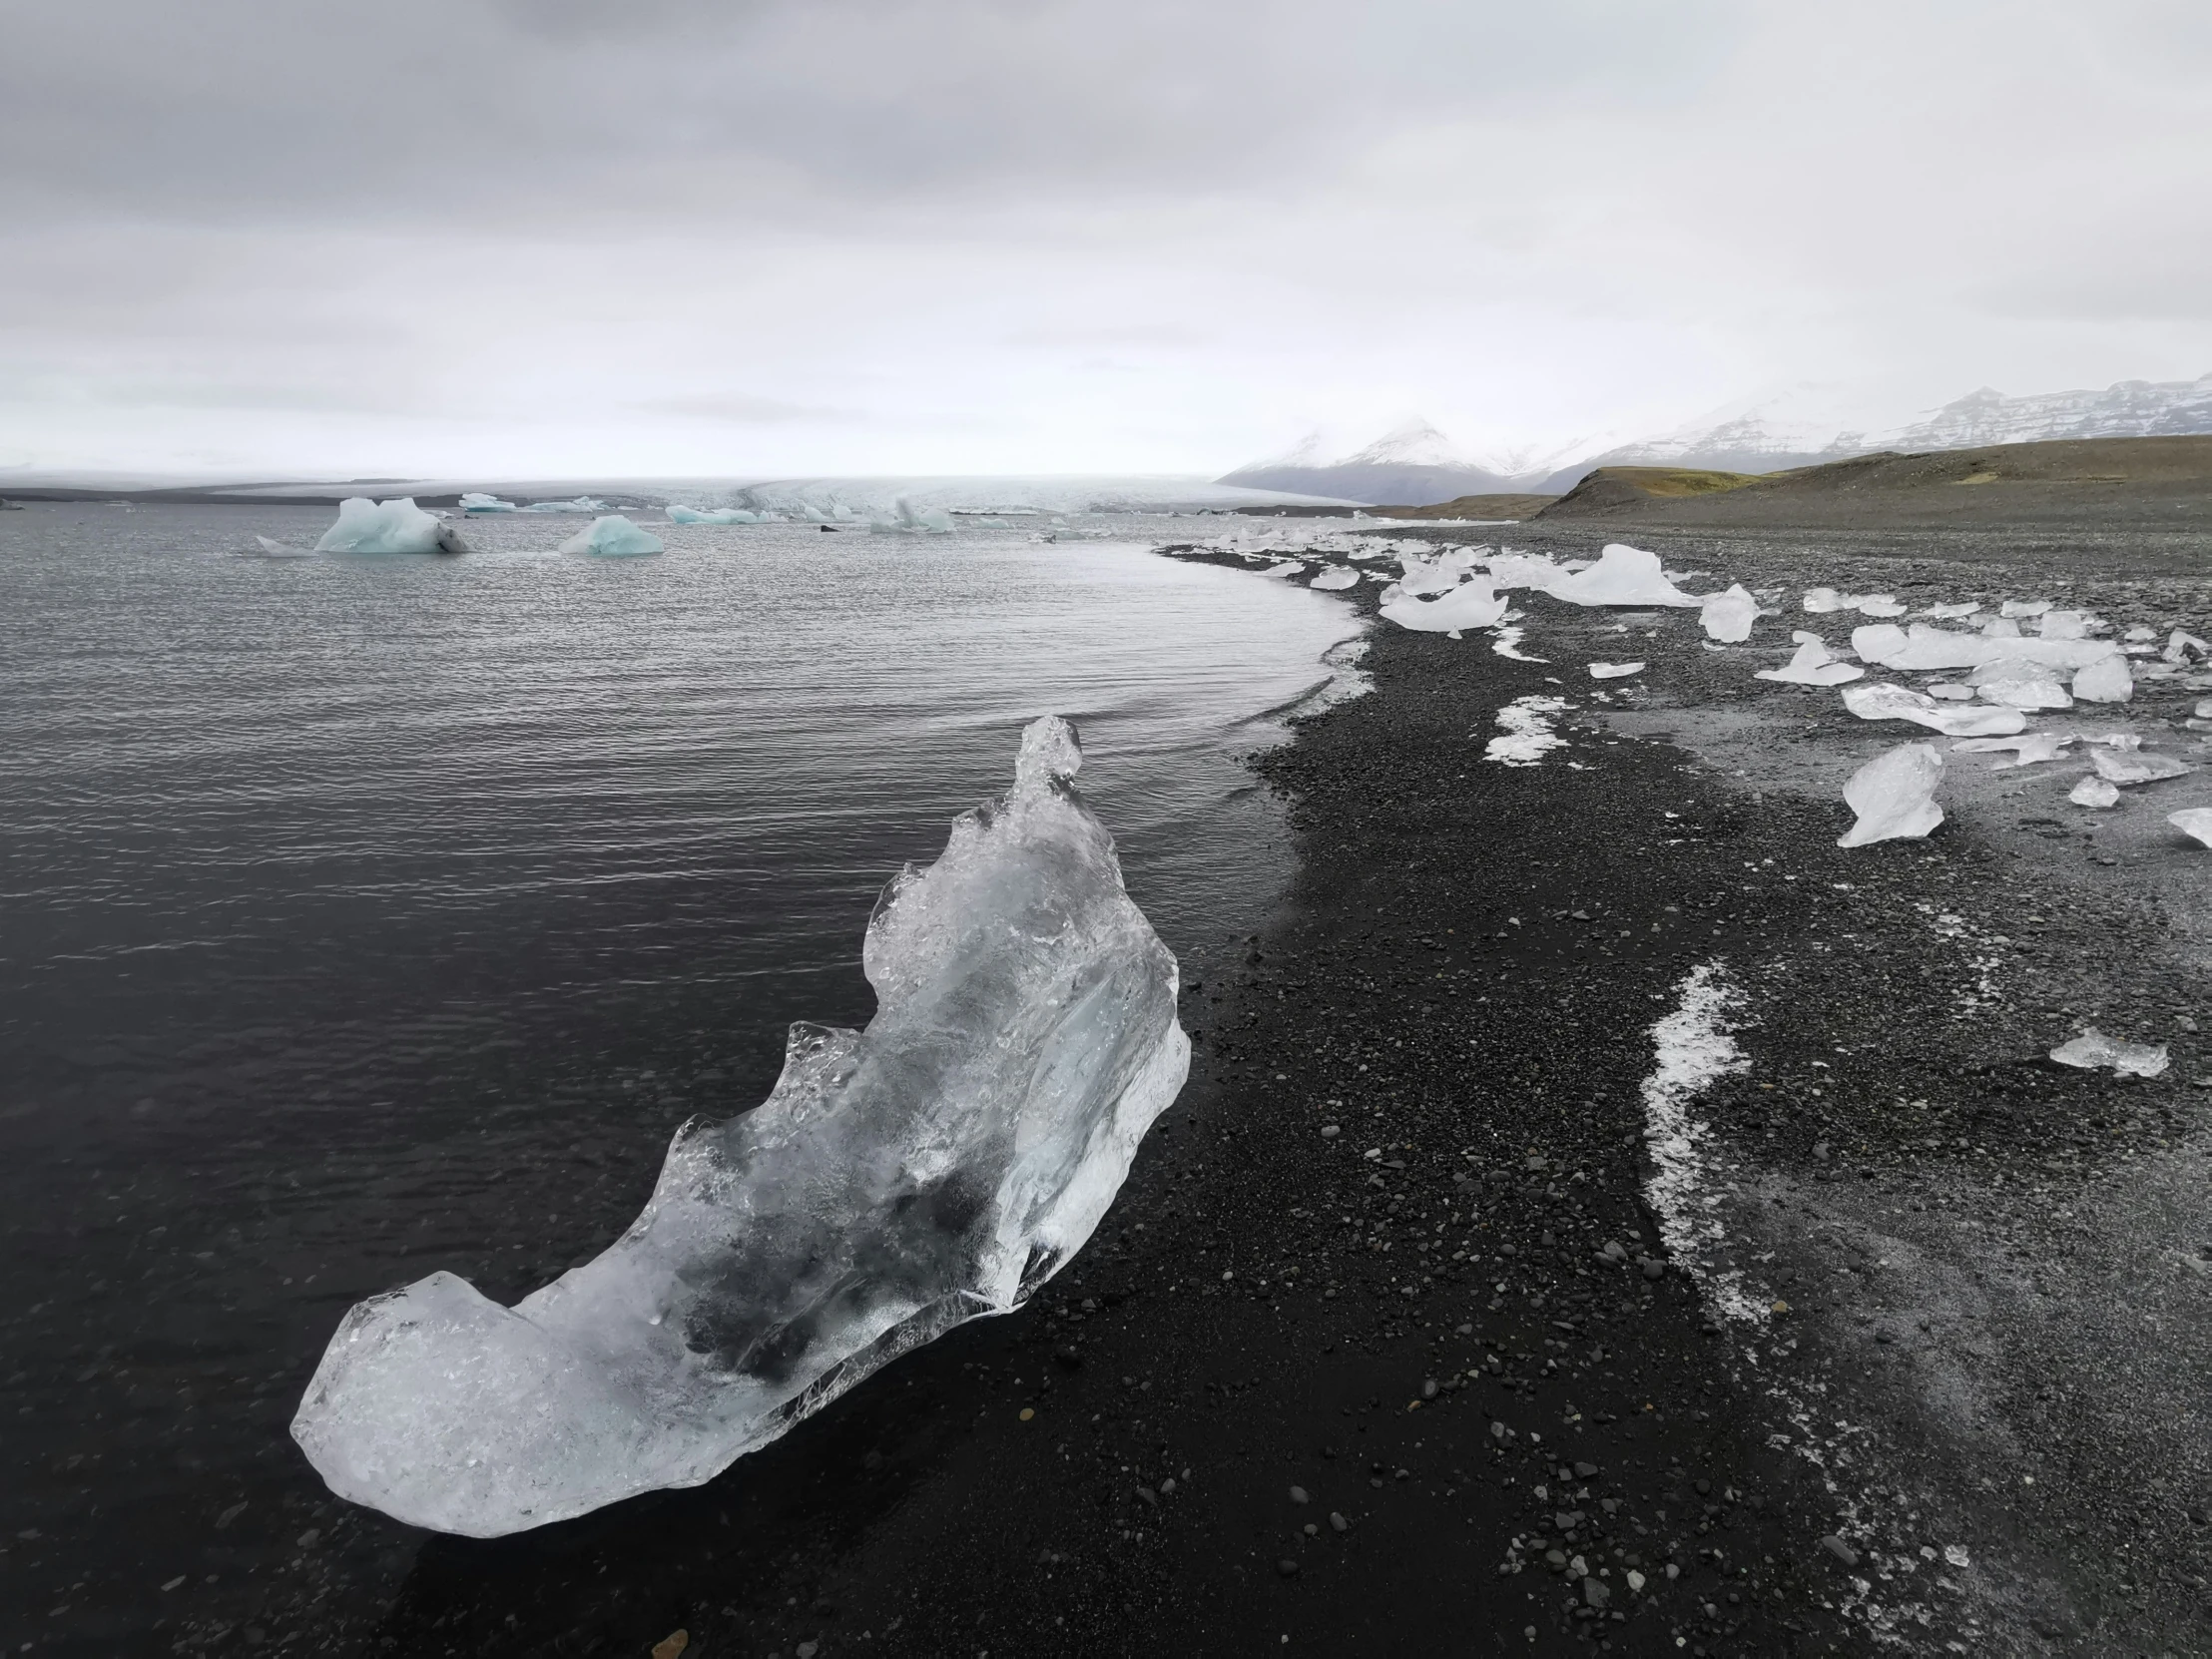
{"x":542,"y":238}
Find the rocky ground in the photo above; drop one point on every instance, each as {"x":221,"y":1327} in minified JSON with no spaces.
{"x":1387,"y":1348}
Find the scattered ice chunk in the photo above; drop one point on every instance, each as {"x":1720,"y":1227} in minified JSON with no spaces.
{"x":1882,"y":642}
{"x":2139,"y":635}
{"x":2093,"y":1048}
{"x":1614,"y":671}
{"x":2026,"y":693}
{"x":1877,"y":603}
{"x":1334,"y":578}
{"x":2094,"y":790}
{"x":1527,"y":737}
{"x":1509,"y":569}
{"x":1887,"y":701}
{"x":1692,"y":1049}
{"x":2001,"y":628}
{"x":2024,"y":607}
{"x":1955,"y":693}
{"x":2064,"y":625}
{"x":2179,"y":645}
{"x":365,"y":527}
{"x":910,"y":520}
{"x":1922,"y":647}
{"x":679,"y":514}
{"x":581,"y":504}
{"x":2028,"y":749}
{"x":2119,"y":767}
{"x":1507,"y":644}
{"x":1812,"y":666}
{"x":1895,"y":795}
{"x":612,"y":537}
{"x":476,"y":501}
{"x":2106,"y":680}
{"x":1968,"y":609}
{"x":2193,"y":822}
{"x":939,"y":1166}
{"x":1470,"y":605}
{"x":1623,"y":575}
{"x":1820,"y":601}
{"x":1728,"y":616}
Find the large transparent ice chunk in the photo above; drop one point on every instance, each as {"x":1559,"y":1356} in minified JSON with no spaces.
{"x":936,"y":1167}
{"x":1623,"y":575}
{"x":1728,"y":616}
{"x":365,"y":527}
{"x":1885,"y":701}
{"x":1894,"y":796}
{"x":1812,"y":666}
{"x":2093,"y":1048}
{"x":1470,"y":605}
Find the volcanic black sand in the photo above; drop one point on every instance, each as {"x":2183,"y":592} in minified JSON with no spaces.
{"x":1384,"y":1391}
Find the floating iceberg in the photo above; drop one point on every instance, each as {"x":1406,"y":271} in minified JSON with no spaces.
{"x":1623,"y":575}
{"x":2193,"y":822}
{"x":678,"y":514}
{"x":938,"y":1167}
{"x":2094,"y":1049}
{"x":581,"y":504}
{"x":1334,"y":578}
{"x":2106,"y":680}
{"x":612,"y":537}
{"x":1812,"y":666}
{"x":1887,"y":701}
{"x":2064,"y":625}
{"x":911,"y":520}
{"x":1729,"y":616}
{"x":2094,"y":790}
{"x":366,"y":526}
{"x":2117,"y":767}
{"x":1470,"y":605}
{"x":1614,"y":671}
{"x":1894,"y":796}
{"x":476,"y":501}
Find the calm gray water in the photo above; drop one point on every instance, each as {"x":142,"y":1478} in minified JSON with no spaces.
{"x":365,"y":915}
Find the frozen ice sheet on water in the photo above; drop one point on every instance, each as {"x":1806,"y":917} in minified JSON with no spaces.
{"x":936,"y":1167}
{"x":2093,"y":1048}
{"x":365,"y":527}
{"x":1894,"y":796}
{"x":612,"y":537}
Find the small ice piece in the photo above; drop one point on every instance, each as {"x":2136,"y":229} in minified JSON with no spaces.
{"x":1509,"y":569}
{"x":1728,"y":616}
{"x":1812,"y":666}
{"x":2001,"y":628}
{"x":1881,"y":643}
{"x":1895,"y":795}
{"x":476,"y":501}
{"x":2016,"y":607}
{"x":2026,"y":693}
{"x":1877,"y":603}
{"x":2093,"y":1048}
{"x":941,"y":1166}
{"x":2094,"y":790}
{"x":2119,"y":767}
{"x":1940,"y":611}
{"x":1507,"y":644}
{"x":1887,"y":701}
{"x":2140,"y":635}
{"x":612,"y":537}
{"x":1623,"y":575}
{"x":1820,"y":601}
{"x":1336,"y":577}
{"x":1953,"y":693}
{"x":1420,"y":578}
{"x":1286,"y":570}
{"x":1527,"y":737}
{"x":680,"y":514}
{"x":910,"y":520}
{"x":1614,"y":671}
{"x":2028,"y":749}
{"x":1470,"y":605}
{"x":366,"y":526}
{"x":2106,"y":680}
{"x":2064,"y":625}
{"x":2179,"y":645}
{"x":2193,"y":822}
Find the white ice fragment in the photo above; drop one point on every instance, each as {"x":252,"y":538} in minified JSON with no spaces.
{"x":1895,"y":795}
{"x":1336,"y":577}
{"x":2093,"y":1048}
{"x":1877,"y":603}
{"x":2139,"y":635}
{"x":2064,"y":625}
{"x":1820,"y":601}
{"x":612,"y":537}
{"x":476,"y":501}
{"x":1614,"y":671}
{"x":1692,"y":1049}
{"x":1955,"y":693}
{"x":939,"y":1166}
{"x":679,"y":514}
{"x":1470,"y":605}
{"x":1623,"y":575}
{"x":2179,"y":645}
{"x":1968,"y":609}
{"x":1937,"y":648}
{"x":2026,"y":693}
{"x":1881,"y":642}
{"x":2094,"y":790}
{"x":365,"y":527}
{"x":2001,"y":628}
{"x":2120,"y":767}
{"x":581,"y":504}
{"x":1524,"y":570}
{"x":2024,"y":607}
{"x":1728,"y":616}
{"x":910,"y":520}
{"x":2193,"y":822}
{"x":2106,"y":680}
{"x":1507,"y":644}
{"x":1527,"y":737}
{"x":1286,"y":570}
{"x":1887,"y":701}
{"x":2028,"y":749}
{"x":1812,"y":666}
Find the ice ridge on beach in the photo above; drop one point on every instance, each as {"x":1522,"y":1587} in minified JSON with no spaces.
{"x":934,"y":1168}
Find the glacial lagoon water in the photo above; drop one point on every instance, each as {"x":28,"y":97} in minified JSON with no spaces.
{"x":363,"y":915}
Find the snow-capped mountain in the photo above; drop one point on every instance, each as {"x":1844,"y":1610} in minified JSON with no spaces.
{"x":1805,"y":425}
{"x":1411,"y":466}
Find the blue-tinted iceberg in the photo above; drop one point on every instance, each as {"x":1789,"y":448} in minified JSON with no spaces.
{"x":612,"y":537}
{"x":476,"y":501}
{"x":938,"y":1167}
{"x":366,"y":526}
{"x":581,"y":504}
{"x":710,"y":515}
{"x":910,"y":520}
